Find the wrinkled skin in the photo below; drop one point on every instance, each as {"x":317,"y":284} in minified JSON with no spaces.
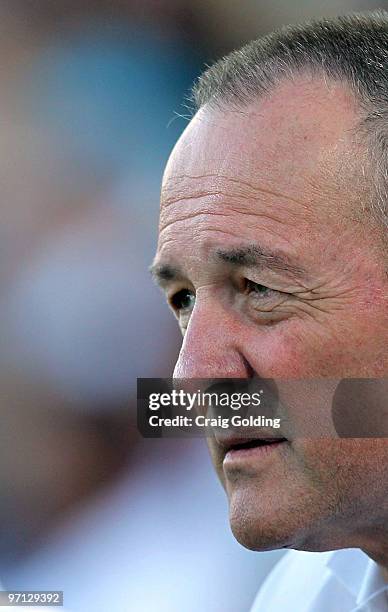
{"x":285,"y":175}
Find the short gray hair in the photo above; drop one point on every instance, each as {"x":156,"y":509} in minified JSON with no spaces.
{"x":351,"y":49}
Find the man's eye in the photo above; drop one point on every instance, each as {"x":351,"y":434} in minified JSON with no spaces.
{"x":183,"y":300}
{"x":256,"y":288}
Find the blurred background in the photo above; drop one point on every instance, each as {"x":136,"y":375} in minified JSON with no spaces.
{"x":92,"y":99}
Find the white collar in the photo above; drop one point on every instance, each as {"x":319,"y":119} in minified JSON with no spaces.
{"x":359,"y":574}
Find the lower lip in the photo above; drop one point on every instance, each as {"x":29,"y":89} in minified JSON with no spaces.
{"x":255,"y":452}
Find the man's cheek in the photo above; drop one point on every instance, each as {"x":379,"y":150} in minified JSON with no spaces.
{"x":287,"y":350}
{"x":295,"y":349}
{"x":318,"y":462}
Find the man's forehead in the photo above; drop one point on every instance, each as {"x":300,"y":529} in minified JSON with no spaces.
{"x":299,"y":132}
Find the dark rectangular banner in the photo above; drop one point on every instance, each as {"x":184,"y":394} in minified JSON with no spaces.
{"x":263,"y":408}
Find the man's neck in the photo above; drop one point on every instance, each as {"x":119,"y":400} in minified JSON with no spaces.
{"x":379,"y":553}
{"x":384,"y":571}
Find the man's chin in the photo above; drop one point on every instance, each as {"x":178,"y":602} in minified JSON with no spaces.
{"x":261,"y":526}
{"x":254,"y":537}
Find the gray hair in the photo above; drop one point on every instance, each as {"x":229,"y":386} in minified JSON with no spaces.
{"x":351,"y":49}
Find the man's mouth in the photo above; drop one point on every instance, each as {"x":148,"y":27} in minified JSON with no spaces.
{"x":242,"y":449}
{"x":254,"y":443}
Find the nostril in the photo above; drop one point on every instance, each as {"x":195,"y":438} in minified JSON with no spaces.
{"x":249,"y":371}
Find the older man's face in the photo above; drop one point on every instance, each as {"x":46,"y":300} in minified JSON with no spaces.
{"x":270,"y":272}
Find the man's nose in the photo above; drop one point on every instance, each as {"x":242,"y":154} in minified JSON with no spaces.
{"x":210,"y":346}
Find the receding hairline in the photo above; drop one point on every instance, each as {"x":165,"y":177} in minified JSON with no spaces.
{"x":350,"y":47}
{"x":351,"y":50}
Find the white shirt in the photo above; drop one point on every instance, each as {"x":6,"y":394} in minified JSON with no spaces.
{"x":340,"y":581}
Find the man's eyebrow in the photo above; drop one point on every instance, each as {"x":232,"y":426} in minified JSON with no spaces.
{"x":252,"y":256}
{"x":255,"y":256}
{"x":163,"y":274}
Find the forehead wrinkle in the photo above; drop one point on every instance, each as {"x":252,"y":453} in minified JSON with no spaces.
{"x":192,"y":215}
{"x":205,"y":240}
{"x":248,"y":200}
{"x":166,"y":202}
{"x":255,"y":190}
{"x":167,"y":219}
